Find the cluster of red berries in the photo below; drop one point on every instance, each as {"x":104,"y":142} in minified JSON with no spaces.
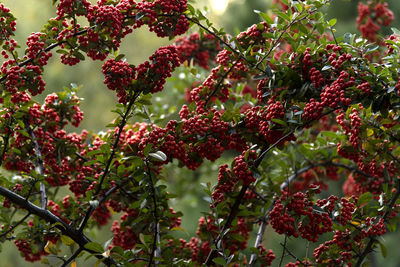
{"x":107,"y":17}
{"x":69,"y":7}
{"x":242,"y":171}
{"x":118,"y":76}
{"x":35,"y":45}
{"x":123,"y":236}
{"x":284,"y":218}
{"x":372,"y":15}
{"x":25,"y":248}
{"x":267,"y":257}
{"x":202,"y":49}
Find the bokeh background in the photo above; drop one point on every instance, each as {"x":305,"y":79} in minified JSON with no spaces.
{"x":232,"y":15}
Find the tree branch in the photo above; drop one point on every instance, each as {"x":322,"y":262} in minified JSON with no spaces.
{"x":155,"y":250}
{"x":15,"y":225}
{"x":43,"y":196}
{"x":73,"y":257}
{"x":49,"y":217}
{"x":372,"y":240}
{"x":110,"y":159}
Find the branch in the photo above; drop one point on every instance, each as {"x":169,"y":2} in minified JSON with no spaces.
{"x":6,"y":139}
{"x":260,"y":234}
{"x":290,"y":253}
{"x":221,"y":81}
{"x":233,"y":50}
{"x":283,"y":252}
{"x":73,"y":256}
{"x":15,"y":225}
{"x":372,"y":240}
{"x":49,"y":217}
{"x":155,"y":250}
{"x":229,"y":220}
{"x":43,"y":196}
{"x":110,"y":159}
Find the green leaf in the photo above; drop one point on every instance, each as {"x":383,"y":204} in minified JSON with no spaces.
{"x":332,"y":22}
{"x":67,"y":240}
{"x":147,"y":149}
{"x":281,"y":122}
{"x":96,"y":247}
{"x":119,"y":57}
{"x":364,"y":198}
{"x":383,"y":249}
{"x":220,"y":261}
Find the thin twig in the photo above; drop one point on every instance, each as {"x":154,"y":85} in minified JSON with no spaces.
{"x":6,"y":138}
{"x":43,"y":196}
{"x":15,"y":225}
{"x":221,"y":81}
{"x":291,"y":254}
{"x":283,"y":251}
{"x":73,"y":257}
{"x":228,"y":222}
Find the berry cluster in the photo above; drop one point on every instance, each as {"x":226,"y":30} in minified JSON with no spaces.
{"x":372,"y":15}
{"x":118,"y":77}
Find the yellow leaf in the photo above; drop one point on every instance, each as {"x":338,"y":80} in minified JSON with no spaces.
{"x":48,"y":246}
{"x":73,"y":264}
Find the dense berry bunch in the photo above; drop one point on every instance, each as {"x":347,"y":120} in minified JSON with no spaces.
{"x":118,"y":77}
{"x":372,"y":15}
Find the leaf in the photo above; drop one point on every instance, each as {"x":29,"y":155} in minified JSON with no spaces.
{"x":220,"y":261}
{"x":281,"y":122}
{"x":159,"y":155}
{"x":94,"y":203}
{"x":73,"y":264}
{"x":364,"y":198}
{"x":48,"y":246}
{"x":348,"y":38}
{"x":395,"y":31}
{"x":329,"y":134}
{"x":93,"y":246}
{"x":332,"y":22}
{"x":119,"y":57}
{"x":78,"y":55}
{"x":61,"y":51}
{"x":383,"y":249}
{"x":67,"y":240}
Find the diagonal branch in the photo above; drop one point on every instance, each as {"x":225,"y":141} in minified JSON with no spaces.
{"x":49,"y":217}
{"x":15,"y":225}
{"x":110,"y":158}
{"x":372,"y":240}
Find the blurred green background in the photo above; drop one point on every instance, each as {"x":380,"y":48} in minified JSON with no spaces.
{"x":232,"y":15}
